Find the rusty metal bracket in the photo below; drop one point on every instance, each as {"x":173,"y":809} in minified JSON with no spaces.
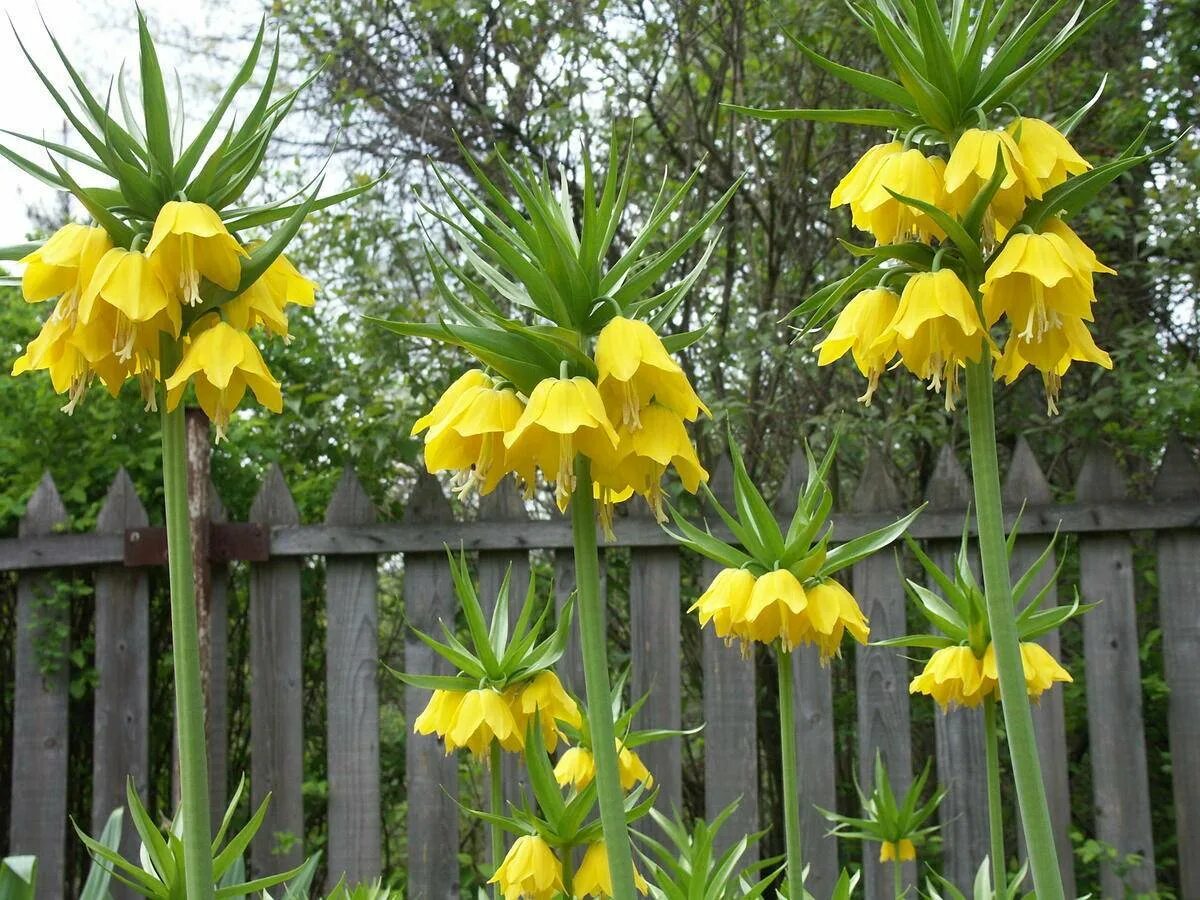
{"x":244,"y":541}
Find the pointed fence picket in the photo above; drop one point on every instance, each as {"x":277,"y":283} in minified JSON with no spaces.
{"x":352,"y":542}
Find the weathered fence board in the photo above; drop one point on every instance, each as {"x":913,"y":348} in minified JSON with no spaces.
{"x":881,"y":673}
{"x":352,"y":697}
{"x":121,"y":705}
{"x":276,"y":705}
{"x":39,"y":789}
{"x":730,"y":721}
{"x":1120,"y":785}
{"x":432,"y":775}
{"x":813,"y":710}
{"x":1026,"y":484}
{"x":217,"y":721}
{"x":958,"y":733}
{"x":1179,"y":609}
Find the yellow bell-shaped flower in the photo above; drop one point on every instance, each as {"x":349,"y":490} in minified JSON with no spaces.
{"x":472,"y":378}
{"x":831,"y":612}
{"x":64,"y":264}
{"x":936,"y":329}
{"x":439,"y":714}
{"x":191,"y":241}
{"x":643,"y":455}
{"x":576,"y":767}
{"x":857,"y":183}
{"x":631,"y":768}
{"x":777,"y":602}
{"x":1034,"y":281}
{"x":469,"y":439}
{"x":592,"y":879}
{"x":530,"y":871}
{"x":725,"y":602}
{"x":1041,"y":669}
{"x":859,"y":328}
{"x":972,"y":164}
{"x":544,"y":696}
{"x":911,"y":174}
{"x":1047,"y":153}
{"x":264,"y":302}
{"x":953,"y":677}
{"x":563,"y":416}
{"x":131,"y":284}
{"x":484,"y":715}
{"x":1084,"y":256}
{"x":56,"y":349}
{"x":903,"y":850}
{"x":221,"y":362}
{"x":1069,"y":341}
{"x":634,"y":368}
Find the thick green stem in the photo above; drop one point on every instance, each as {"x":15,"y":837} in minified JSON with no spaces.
{"x":496,"y":806}
{"x":995,"y":812}
{"x":1018,"y":721}
{"x":898,"y":889}
{"x":568,"y":870}
{"x":791,"y":790}
{"x":590,"y":608}
{"x":185,"y":648}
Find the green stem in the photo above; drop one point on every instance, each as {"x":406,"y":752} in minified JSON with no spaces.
{"x":898,"y":889}
{"x":185,"y":648}
{"x":568,"y":870}
{"x":590,"y":608}
{"x":791,"y":791}
{"x":496,"y":807}
{"x":1018,"y":721}
{"x":995,"y":812}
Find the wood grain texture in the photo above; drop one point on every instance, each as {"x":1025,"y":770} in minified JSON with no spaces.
{"x":1027,"y":484}
{"x":654,"y":646}
{"x":881,"y":672}
{"x":1179,"y":609}
{"x":1120,"y":784}
{"x":120,"y":706}
{"x":730,"y":712}
{"x":41,"y":678}
{"x":276,"y":704}
{"x":352,"y":697}
{"x":432,"y":776}
{"x":959,"y":733}
{"x":813,"y":710}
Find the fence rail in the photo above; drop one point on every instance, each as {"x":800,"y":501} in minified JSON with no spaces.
{"x":351,"y":540}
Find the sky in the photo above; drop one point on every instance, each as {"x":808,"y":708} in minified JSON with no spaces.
{"x":97,"y":35}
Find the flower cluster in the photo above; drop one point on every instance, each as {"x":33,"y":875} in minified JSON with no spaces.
{"x":473,"y":719}
{"x":955,"y":676}
{"x":629,"y":423}
{"x":532,"y":871}
{"x":1038,"y":279}
{"x":576,"y":768}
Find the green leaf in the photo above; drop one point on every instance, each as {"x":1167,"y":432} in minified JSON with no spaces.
{"x":258,"y":884}
{"x":1066,"y":126}
{"x":265,"y":216}
{"x":880,"y":118}
{"x":435,"y":682}
{"x":240,"y":841}
{"x":849,"y":553}
{"x":967,"y":246}
{"x":17,"y":252}
{"x":885,"y":90}
{"x":99,"y":875}
{"x":154,"y":100}
{"x":120,"y":233}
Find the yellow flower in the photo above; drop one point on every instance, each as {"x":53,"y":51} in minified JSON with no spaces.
{"x":936,"y":329}
{"x":635,"y":368}
{"x":971,"y":165}
{"x":830,"y":613}
{"x":530,"y":870}
{"x":953,"y":677}
{"x":911,"y":174}
{"x":544,"y":695}
{"x":64,"y":264}
{"x":725,"y":602}
{"x":858,"y":328}
{"x":642,"y":457}
{"x":469,"y":438}
{"x":563,"y":416}
{"x":265,"y":300}
{"x":132,"y":285}
{"x":439,"y":713}
{"x":191,"y":240}
{"x":1041,"y":669}
{"x":593,"y":879}
{"x":1035,"y":280}
{"x":484,"y":715}
{"x":575,"y":767}
{"x":857,"y":183}
{"x":1070,"y":341}
{"x":1085,"y":258}
{"x":1048,"y":155}
{"x":472,"y":378}
{"x":903,"y":850}
{"x":222,"y":362}
{"x":777,"y":603}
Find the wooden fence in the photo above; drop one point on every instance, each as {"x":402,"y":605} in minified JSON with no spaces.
{"x":351,"y":541}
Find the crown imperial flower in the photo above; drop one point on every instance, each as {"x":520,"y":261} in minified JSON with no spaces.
{"x":1047,"y":153}
{"x":593,"y":879}
{"x":635,"y":368}
{"x":191,"y":241}
{"x":530,"y":870}
{"x":861,"y":328}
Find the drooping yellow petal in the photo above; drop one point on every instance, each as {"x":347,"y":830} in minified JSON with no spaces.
{"x":634,"y":368}
{"x":190,"y":240}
